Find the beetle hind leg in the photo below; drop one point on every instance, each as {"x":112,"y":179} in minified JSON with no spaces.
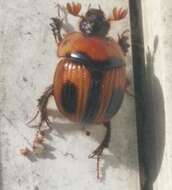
{"x":105,"y":143}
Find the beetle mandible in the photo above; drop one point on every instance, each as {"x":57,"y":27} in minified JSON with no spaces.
{"x":90,"y":79}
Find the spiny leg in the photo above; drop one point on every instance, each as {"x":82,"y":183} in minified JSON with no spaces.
{"x":123,"y":41}
{"x":104,"y":144}
{"x":37,"y":146}
{"x":42,"y":107}
{"x":56,"y":27}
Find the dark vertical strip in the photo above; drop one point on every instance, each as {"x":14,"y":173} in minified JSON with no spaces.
{"x":93,"y":102}
{"x":69,"y":97}
{"x":139,"y":81}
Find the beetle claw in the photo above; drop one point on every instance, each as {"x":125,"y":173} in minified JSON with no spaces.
{"x":36,"y":115}
{"x":96,"y":153}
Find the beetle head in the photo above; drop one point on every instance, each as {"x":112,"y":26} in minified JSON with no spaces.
{"x":94,"y":23}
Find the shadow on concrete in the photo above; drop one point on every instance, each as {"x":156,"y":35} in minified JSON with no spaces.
{"x":114,"y":159}
{"x":1,"y":182}
{"x":153,"y":132}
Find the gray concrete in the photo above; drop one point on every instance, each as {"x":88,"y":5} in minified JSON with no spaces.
{"x":27,"y":63}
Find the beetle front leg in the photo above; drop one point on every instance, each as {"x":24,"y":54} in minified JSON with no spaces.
{"x":56,"y":27}
{"x":123,"y":41}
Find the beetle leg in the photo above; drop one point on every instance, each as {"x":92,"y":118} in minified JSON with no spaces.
{"x":127,"y":83}
{"x":123,"y":41}
{"x":105,"y":143}
{"x":42,"y":107}
{"x":56,"y":27}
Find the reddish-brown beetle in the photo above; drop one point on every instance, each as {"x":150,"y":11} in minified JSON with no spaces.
{"x":90,"y":78}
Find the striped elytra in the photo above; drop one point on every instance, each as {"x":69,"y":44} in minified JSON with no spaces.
{"x":86,"y":96}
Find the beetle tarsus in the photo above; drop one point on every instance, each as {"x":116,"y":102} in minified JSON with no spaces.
{"x":123,"y":41}
{"x":56,"y":27}
{"x":104,"y":144}
{"x":98,"y":152}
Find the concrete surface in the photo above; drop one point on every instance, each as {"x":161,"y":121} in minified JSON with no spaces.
{"x":27,"y":63}
{"x":157,"y":24}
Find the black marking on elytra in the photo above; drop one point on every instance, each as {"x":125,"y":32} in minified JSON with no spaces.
{"x":69,"y":97}
{"x":93,"y":101}
{"x":94,"y":65}
{"x":115,"y":102}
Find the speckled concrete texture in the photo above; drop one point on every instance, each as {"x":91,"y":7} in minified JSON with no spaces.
{"x":27,"y":64}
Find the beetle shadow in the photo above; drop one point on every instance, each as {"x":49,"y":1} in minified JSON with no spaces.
{"x":51,"y":131}
{"x":1,"y":182}
{"x":153,"y":132}
{"x":1,"y":169}
{"x":46,"y":154}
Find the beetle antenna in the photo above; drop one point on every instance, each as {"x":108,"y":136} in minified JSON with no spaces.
{"x":117,"y":14}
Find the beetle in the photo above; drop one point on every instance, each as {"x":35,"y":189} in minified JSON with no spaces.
{"x":90,"y":79}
